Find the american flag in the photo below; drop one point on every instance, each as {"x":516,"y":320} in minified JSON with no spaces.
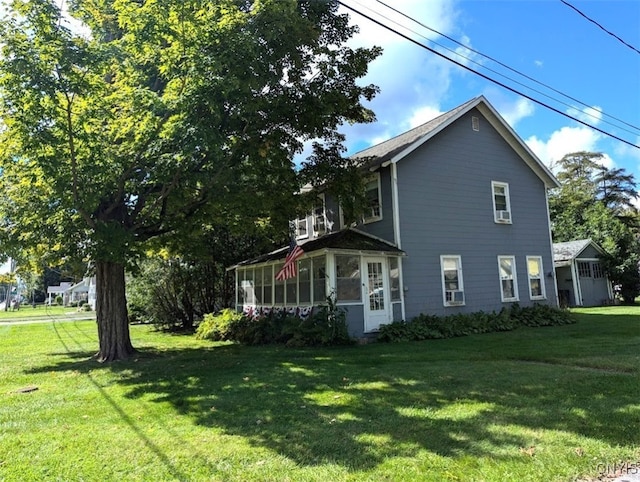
{"x":289,"y":269}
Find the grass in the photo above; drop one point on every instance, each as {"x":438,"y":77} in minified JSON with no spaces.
{"x":40,"y":311}
{"x":545,"y":404}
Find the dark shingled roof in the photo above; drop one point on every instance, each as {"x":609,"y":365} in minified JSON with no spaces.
{"x":569,"y":250}
{"x":347,"y":239}
{"x":386,"y":150}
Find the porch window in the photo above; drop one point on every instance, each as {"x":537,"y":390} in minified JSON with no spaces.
{"x":258,"y":286}
{"x":239,"y":287}
{"x":319,"y":280}
{"x":248,"y":287}
{"x":508,"y":282}
{"x":267,"y":297}
{"x":292,"y":291}
{"x":348,"y":278}
{"x":452,"y":283}
{"x":279,"y":287}
{"x":394,"y":279}
{"x":534,"y":272}
{"x":304,"y":281}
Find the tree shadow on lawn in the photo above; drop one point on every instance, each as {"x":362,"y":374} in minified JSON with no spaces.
{"x":357,"y":407}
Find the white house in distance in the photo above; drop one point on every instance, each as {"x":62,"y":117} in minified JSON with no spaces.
{"x":85,"y":290}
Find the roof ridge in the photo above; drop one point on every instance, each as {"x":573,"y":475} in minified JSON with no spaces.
{"x":435,"y":121}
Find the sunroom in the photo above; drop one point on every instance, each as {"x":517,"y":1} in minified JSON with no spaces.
{"x":361,"y":273}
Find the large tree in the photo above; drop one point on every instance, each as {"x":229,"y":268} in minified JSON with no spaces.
{"x":598,"y":203}
{"x":168,"y":114}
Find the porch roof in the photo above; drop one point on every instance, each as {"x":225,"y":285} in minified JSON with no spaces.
{"x":564,"y":253}
{"x":347,"y":239}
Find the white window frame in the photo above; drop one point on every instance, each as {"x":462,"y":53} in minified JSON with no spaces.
{"x":298,"y":222}
{"x":452,"y":302}
{"x":499,"y":215}
{"x":540,"y":277}
{"x":514,"y":278}
{"x":366,"y":219}
{"x":315,"y":216}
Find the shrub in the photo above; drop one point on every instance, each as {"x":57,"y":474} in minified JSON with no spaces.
{"x":58,"y":300}
{"x":221,"y":326}
{"x":425,"y":327}
{"x":325,"y":327}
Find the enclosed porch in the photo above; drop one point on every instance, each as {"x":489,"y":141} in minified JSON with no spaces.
{"x":362,"y":274}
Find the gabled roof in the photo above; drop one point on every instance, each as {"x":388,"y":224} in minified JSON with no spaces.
{"x":347,"y":239}
{"x":396,"y":148}
{"x":570,"y":250}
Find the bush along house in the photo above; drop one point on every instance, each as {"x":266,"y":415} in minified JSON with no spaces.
{"x":457,"y":222}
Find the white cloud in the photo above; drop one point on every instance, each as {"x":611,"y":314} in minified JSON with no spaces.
{"x":514,"y":113}
{"x":423,"y":115}
{"x":590,"y":115}
{"x":564,"y":141}
{"x":538,"y":63}
{"x":412,"y":82}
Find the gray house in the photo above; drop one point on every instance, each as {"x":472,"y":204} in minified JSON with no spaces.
{"x":582,"y":280}
{"x":457,"y":222}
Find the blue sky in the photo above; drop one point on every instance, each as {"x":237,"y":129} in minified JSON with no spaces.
{"x":544,"y":39}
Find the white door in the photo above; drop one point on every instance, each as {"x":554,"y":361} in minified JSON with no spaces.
{"x":376,"y":297}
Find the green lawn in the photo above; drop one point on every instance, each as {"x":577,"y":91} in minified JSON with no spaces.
{"x":40,"y":311}
{"x":544,"y":404}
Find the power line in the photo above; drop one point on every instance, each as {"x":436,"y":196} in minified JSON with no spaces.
{"x":600,"y":26}
{"x":486,"y":77}
{"x":508,"y":68}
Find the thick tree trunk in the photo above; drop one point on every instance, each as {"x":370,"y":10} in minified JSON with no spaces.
{"x":111,"y":313}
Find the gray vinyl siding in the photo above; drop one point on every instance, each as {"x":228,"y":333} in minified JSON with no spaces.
{"x":589,"y":253}
{"x":446,"y":208}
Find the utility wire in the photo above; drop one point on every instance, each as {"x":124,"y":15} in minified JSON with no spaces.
{"x":508,"y":68}
{"x":486,"y":77}
{"x":601,"y":27}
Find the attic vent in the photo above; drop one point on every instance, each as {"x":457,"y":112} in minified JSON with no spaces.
{"x":475,"y":123}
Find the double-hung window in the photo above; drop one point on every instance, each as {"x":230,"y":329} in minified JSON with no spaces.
{"x":318,"y":217}
{"x":535,"y":274}
{"x":501,"y":202}
{"x":373,"y":209}
{"x":452,"y":284}
{"x":508,"y":280}
{"x":302,"y":228}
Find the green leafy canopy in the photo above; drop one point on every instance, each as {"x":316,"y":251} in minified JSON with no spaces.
{"x":170,"y":114}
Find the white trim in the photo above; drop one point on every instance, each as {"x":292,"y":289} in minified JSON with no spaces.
{"x":458,"y":260}
{"x":553,"y":268}
{"x":373,"y":219}
{"x":514,"y":278}
{"x":577,"y":289}
{"x":395,"y":204}
{"x":496,"y":212}
{"x":543,"y":296}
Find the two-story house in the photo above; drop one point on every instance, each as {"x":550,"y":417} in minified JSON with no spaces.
{"x":457,"y":222}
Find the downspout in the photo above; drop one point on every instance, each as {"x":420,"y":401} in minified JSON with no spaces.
{"x":396,"y":231}
{"x":553,"y":266}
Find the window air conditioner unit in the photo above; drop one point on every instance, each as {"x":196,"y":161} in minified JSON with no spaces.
{"x":456,"y":297}
{"x":503,"y":216}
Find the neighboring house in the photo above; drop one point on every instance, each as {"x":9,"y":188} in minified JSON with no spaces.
{"x":85,"y":290}
{"x":582,"y":280}
{"x":457,"y":222}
